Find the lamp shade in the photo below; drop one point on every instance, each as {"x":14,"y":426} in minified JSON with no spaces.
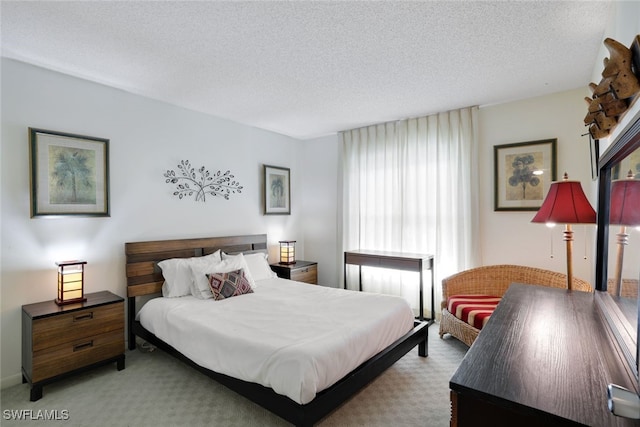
{"x":287,"y":251}
{"x":566,"y":203}
{"x":625,"y":202}
{"x":70,"y":282}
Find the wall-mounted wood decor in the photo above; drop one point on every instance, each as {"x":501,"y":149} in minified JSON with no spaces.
{"x":617,"y":90}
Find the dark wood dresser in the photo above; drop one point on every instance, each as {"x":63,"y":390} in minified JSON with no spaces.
{"x":301,"y":271}
{"x":544,"y":359}
{"x":61,"y":340}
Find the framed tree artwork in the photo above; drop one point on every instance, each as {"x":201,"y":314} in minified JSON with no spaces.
{"x":523,"y":173}
{"x":69,"y":174}
{"x":277,"y":190}
{"x":629,"y":167}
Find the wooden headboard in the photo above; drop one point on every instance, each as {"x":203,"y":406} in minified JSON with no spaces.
{"x":143,"y":274}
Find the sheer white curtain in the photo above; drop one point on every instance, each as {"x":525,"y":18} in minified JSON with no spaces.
{"x":412,"y":186}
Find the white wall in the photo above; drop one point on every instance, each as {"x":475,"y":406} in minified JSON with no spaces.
{"x":146,"y":138}
{"x":321,"y":183}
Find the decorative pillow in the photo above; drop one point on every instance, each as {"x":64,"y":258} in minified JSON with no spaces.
{"x":243,"y":264}
{"x":227,"y":285}
{"x":200,"y":284}
{"x":177,"y":273}
{"x":259,"y":267}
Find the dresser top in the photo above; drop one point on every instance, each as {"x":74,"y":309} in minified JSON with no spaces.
{"x":545,"y":352}
{"x":50,"y":308}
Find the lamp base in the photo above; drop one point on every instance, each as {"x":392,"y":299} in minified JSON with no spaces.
{"x":69,"y":301}
{"x":287,"y":263}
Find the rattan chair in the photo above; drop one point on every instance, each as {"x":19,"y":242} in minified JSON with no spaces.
{"x":629,"y":288}
{"x":494,"y":280}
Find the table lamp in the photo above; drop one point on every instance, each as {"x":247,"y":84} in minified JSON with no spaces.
{"x":566,"y":204}
{"x":625,"y":211}
{"x":287,"y":251}
{"x":70,"y":282}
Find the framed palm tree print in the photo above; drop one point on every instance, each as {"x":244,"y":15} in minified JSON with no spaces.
{"x":69,"y":174}
{"x":277,"y":190}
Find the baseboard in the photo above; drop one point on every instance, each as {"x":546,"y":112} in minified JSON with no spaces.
{"x":10,"y":381}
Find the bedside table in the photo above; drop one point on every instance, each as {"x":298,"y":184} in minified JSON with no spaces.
{"x":301,"y":271}
{"x":61,"y":340}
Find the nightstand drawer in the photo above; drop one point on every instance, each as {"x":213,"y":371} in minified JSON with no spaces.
{"x":75,"y":354}
{"x":52,"y":331}
{"x":307,"y":274}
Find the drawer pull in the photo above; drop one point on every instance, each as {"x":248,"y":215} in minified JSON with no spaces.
{"x":306,"y":270}
{"x":79,"y":347}
{"x":83,"y":317}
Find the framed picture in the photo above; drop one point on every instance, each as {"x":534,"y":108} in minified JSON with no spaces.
{"x":277,"y":190}
{"x":69,"y":174}
{"x":523,"y":173}
{"x":628,"y":165}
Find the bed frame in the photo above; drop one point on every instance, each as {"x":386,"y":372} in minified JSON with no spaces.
{"x":144,"y":278}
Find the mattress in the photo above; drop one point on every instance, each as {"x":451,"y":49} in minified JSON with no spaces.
{"x":295,"y":338}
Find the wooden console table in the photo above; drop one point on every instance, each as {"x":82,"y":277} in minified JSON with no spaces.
{"x":545,"y":358}
{"x":394,"y":261}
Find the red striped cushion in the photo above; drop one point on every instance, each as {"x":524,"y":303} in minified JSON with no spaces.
{"x":473,"y":309}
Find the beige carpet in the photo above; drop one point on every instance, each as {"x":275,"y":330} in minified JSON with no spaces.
{"x":157,"y":390}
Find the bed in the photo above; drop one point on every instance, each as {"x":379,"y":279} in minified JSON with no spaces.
{"x":302,"y":384}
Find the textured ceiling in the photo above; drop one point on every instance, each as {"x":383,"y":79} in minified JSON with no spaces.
{"x":308,"y":69}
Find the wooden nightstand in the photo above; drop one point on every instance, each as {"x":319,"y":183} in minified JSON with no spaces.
{"x":61,"y":340}
{"x":301,"y":271}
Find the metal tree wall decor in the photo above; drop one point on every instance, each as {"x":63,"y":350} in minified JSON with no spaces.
{"x":200,"y":182}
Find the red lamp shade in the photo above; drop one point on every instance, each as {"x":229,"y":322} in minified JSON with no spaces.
{"x":625,"y":202}
{"x":566,"y":203}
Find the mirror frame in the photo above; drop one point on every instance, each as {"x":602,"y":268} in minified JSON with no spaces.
{"x":626,"y":335}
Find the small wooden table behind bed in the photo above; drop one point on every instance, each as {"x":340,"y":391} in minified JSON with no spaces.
{"x":395,"y":261}
{"x":145,"y":278}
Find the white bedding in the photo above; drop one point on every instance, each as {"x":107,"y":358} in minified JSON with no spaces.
{"x":295,"y":338}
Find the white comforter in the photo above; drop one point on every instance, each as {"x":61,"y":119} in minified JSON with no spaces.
{"x":295,"y":338}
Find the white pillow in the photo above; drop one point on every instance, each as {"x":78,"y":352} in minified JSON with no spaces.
{"x":243,"y":264}
{"x":177,"y":273}
{"x":259,"y":266}
{"x":200,"y":284}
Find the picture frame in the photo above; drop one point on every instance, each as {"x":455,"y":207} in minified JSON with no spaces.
{"x":630,"y":164}
{"x":523,"y":173}
{"x":69,"y":174}
{"x":277,"y":190}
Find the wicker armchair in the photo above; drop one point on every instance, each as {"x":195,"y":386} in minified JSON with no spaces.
{"x":629,"y":288}
{"x":493,"y":280}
